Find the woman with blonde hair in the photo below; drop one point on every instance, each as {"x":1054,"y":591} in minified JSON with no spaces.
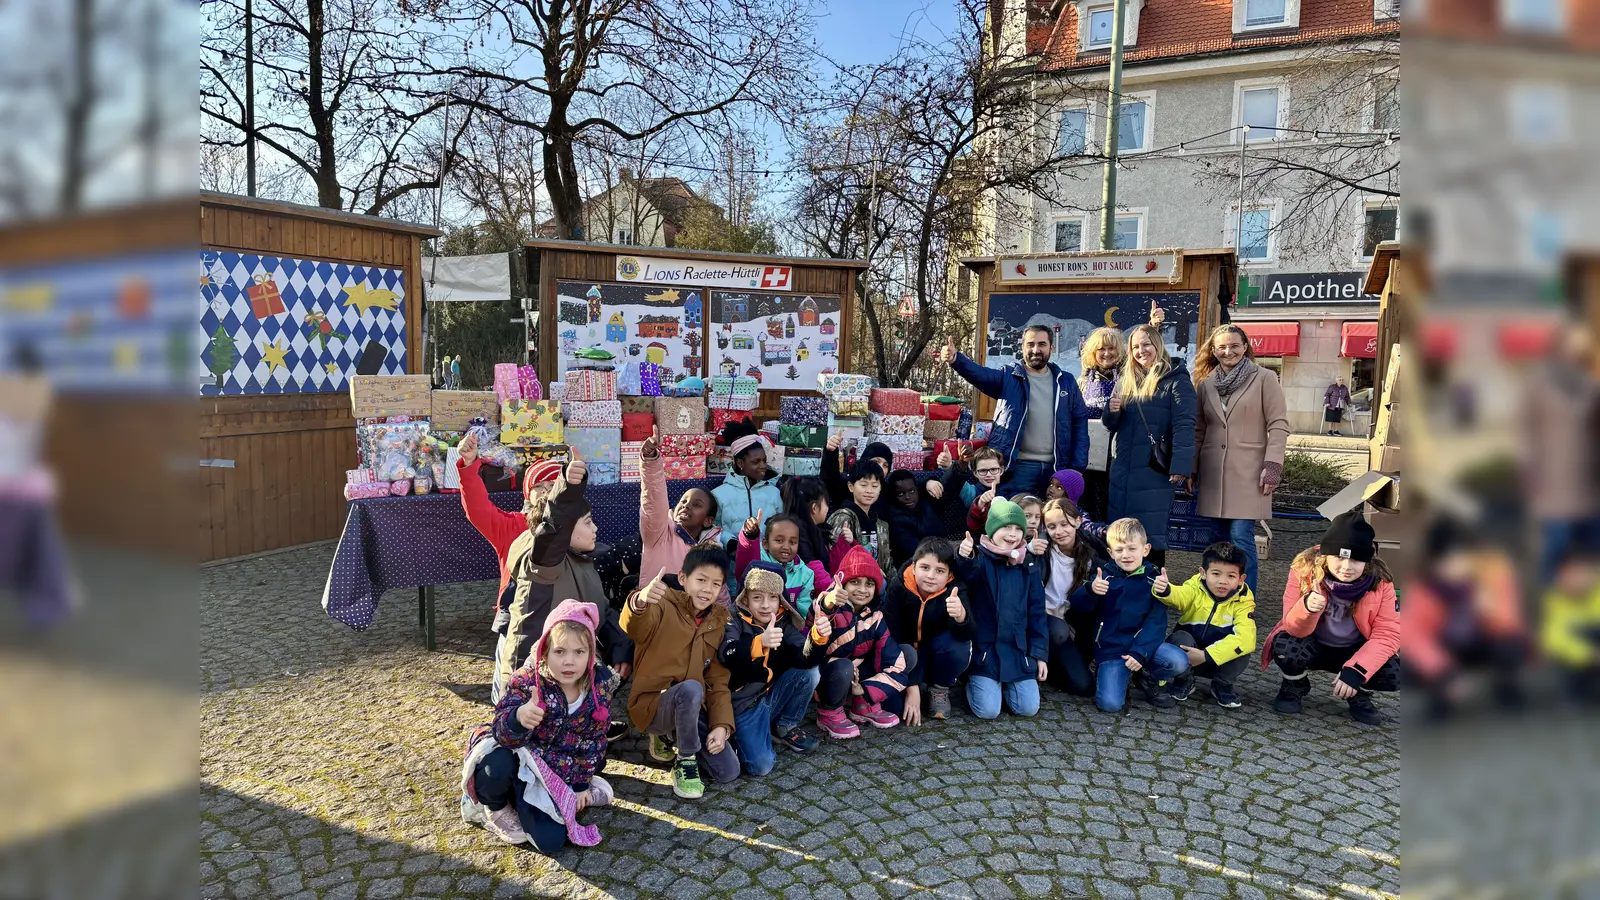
{"x":1242,"y":431}
{"x":1152,"y":414}
{"x":1101,"y":357}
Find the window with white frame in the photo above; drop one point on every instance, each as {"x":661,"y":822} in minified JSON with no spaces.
{"x":1384,"y":10}
{"x":1095,"y":21}
{"x":1133,"y":124}
{"x":1068,"y":233}
{"x":1127,"y":231}
{"x":1101,"y":20}
{"x":1073,"y":138}
{"x":1380,"y":222}
{"x":1262,"y":105}
{"x":624,"y":236}
{"x":1385,"y":103}
{"x":1539,"y":112}
{"x":1532,"y":15}
{"x":1250,"y":15}
{"x":1255,"y":225}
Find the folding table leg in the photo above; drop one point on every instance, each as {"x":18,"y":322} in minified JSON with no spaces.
{"x":425,"y":616}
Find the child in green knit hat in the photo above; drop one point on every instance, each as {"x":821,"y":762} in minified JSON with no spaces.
{"x":1005,"y":588}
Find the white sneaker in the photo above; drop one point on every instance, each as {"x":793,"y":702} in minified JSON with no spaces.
{"x":600,"y":792}
{"x":504,"y":824}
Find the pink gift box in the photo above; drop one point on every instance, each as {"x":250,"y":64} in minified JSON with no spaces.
{"x":912,"y":461}
{"x":681,"y":468}
{"x":687,"y":444}
{"x":528,"y":380}
{"x":896,"y":401}
{"x":507,"y":386}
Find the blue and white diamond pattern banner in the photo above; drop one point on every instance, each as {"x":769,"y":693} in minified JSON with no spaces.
{"x":277,"y":325}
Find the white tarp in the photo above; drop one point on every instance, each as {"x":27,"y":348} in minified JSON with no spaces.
{"x":467,"y":278}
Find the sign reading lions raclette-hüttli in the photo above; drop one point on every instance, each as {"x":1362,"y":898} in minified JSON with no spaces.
{"x":656,"y":270}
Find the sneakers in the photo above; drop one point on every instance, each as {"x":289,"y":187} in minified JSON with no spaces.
{"x":1289,"y":693}
{"x":799,"y":740}
{"x":939,"y":702}
{"x":836,"y":725}
{"x":1225,"y":696}
{"x":1362,"y":710}
{"x":504,"y":824}
{"x":1182,"y":687}
{"x":1157,"y":693}
{"x":617,"y":730}
{"x":686,"y":781}
{"x":661,"y":749}
{"x":600,"y":792}
{"x":871,"y":714}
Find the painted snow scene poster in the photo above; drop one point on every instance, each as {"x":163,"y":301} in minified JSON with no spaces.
{"x":784,"y":340}
{"x":1073,"y":316}
{"x":634,"y":322}
{"x":277,"y":325}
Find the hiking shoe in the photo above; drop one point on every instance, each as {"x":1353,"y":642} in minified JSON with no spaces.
{"x":600,"y":792}
{"x":504,"y":824}
{"x":836,"y":725}
{"x":686,"y":781}
{"x":939,"y":702}
{"x":799,"y":740}
{"x":1362,"y":709}
{"x":1182,"y":687}
{"x":871,"y":713}
{"x":1225,"y":696}
{"x":1157,"y":693}
{"x":1289,"y":694}
{"x":661,"y":749}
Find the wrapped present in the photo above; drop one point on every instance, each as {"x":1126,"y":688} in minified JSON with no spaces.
{"x":744,"y":402}
{"x":939,"y":429}
{"x":913,"y":461}
{"x":650,"y":379}
{"x":628,"y":382}
{"x":776,"y":454}
{"x":374,"y":396}
{"x":746,"y":386}
{"x":722,"y":384}
{"x":802,"y":462}
{"x":400,"y":488}
{"x":605,"y":473}
{"x":596,"y":445}
{"x":638,"y":405}
{"x":944,"y":412}
{"x":455,"y":410}
{"x":681,"y":415}
{"x":507,"y":386}
{"x":629,"y":450}
{"x":450,"y":478}
{"x":853,"y":407}
{"x":982,"y":430}
{"x":812,"y":437}
{"x":523,"y":423}
{"x":687,"y":444}
{"x":896,"y":401}
{"x":636,"y":426}
{"x":265,"y":301}
{"x":836,"y":384}
{"x":682,"y":468}
{"x":528,"y":381}
{"x":558,"y":392}
{"x":880,"y":423}
{"x":721,"y":463}
{"x":803,"y":410}
{"x":721,"y":417}
{"x":897,"y":443}
{"x":964,"y":424}
{"x":590,"y":385}
{"x":630,"y":473}
{"x":592,"y":413}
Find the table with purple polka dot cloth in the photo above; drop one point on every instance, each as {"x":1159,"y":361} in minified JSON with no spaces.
{"x":424,"y":540}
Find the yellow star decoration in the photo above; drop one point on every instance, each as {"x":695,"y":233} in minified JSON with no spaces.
{"x":272,"y":354}
{"x":332,"y":368}
{"x":364,"y":298}
{"x":125,"y":356}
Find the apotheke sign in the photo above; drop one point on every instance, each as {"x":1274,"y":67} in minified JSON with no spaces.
{"x":1314,"y":287}
{"x":654,"y":270}
{"x":1162,"y":265}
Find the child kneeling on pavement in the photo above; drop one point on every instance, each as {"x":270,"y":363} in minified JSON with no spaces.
{"x":927,"y":612}
{"x":865,"y":665}
{"x":680,"y":688}
{"x":1216,"y":624}
{"x":535,"y":767}
{"x":1011,"y":640}
{"x":772,"y":662}
{"x":1130,"y":623}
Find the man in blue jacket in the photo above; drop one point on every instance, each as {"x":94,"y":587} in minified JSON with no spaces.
{"x":1041,"y":423}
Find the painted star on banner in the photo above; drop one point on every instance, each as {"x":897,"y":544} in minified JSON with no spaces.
{"x":272,"y":354}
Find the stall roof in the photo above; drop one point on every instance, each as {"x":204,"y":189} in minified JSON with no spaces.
{"x":1378,"y":271}
{"x":681,"y":253}
{"x":239,"y":201}
{"x":973,"y":262}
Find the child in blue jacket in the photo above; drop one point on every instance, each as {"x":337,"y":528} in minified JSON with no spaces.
{"x":751,"y":486}
{"x":1130,"y":635}
{"x":1011,"y":640}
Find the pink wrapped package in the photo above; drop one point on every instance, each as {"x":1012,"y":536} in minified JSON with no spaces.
{"x":528,"y":381}
{"x":507,"y":385}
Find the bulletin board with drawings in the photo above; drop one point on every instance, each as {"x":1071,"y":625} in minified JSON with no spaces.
{"x":784,"y":340}
{"x":635,"y":322}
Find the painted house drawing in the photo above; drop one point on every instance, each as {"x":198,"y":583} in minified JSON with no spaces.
{"x":754,"y":372}
{"x":658,"y":327}
{"x":656,"y":352}
{"x":729,"y":366}
{"x":616,"y":329}
{"x":735,"y":308}
{"x":775,"y":327}
{"x":743,"y":342}
{"x":776,"y":355}
{"x":692,"y":311}
{"x":594,"y":302}
{"x":827,"y":348}
{"x":801,"y":353}
{"x":827,"y":326}
{"x":573,"y":313}
{"x":788,"y":327}
{"x":808,"y":312}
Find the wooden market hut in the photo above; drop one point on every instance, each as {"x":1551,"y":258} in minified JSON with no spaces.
{"x":277,"y":461}
{"x":708,"y":306}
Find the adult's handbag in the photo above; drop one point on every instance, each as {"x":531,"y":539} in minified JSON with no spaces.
{"x":1160,"y":450}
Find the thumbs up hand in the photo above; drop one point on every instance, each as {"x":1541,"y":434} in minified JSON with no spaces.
{"x":966,"y":546}
{"x":656,"y":590}
{"x":944,"y":459}
{"x":1158,"y":316}
{"x":1100,"y":585}
{"x":1162,"y":585}
{"x":821,"y":626}
{"x":752,"y":525}
{"x":953,"y":607}
{"x":1115,"y":405}
{"x":651,"y":446}
{"x":1038,"y":547}
{"x":772,"y":637}
{"x":530,"y":714}
{"x":468,"y":449}
{"x":835,"y":441}
{"x":576,"y":469}
{"x":1315,"y":602}
{"x":948,"y":354}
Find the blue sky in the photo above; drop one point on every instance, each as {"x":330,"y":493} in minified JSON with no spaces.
{"x":864,"y":31}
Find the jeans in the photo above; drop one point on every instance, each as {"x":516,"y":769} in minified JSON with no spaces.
{"x":496,"y":783}
{"x":780,"y":709}
{"x":1069,"y":671}
{"x":941,"y":662}
{"x":1242,"y":534}
{"x":1226,"y":674}
{"x":680,"y":717}
{"x":1111,"y":691}
{"x":984,"y":695}
{"x":1026,"y":476}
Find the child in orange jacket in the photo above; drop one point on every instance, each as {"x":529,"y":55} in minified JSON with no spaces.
{"x":1339,"y":615}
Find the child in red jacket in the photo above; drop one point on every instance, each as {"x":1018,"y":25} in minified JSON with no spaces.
{"x":1339,"y":615}
{"x":864,"y":665}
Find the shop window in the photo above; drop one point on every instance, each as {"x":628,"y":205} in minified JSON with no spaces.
{"x":1382,"y":223}
{"x":1362,"y":373}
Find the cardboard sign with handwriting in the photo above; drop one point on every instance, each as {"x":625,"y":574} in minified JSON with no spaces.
{"x":390,"y":395}
{"x":453,"y":410}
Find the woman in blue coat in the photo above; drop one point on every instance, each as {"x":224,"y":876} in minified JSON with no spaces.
{"x":1153,"y":402}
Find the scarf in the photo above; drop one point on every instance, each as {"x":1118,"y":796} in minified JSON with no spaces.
{"x":1227,"y":381}
{"x":1012,"y":557}
{"x":1351,"y":591}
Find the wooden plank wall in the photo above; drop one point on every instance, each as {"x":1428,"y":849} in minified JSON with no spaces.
{"x":290,"y":451}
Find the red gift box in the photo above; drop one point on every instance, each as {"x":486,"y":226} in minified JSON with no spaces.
{"x":687,"y":444}
{"x":913,"y":461}
{"x":896,"y":402}
{"x":680,"y":468}
{"x":265,"y":301}
{"x":941,"y":412}
{"x":721,"y":417}
{"x":637,"y":426}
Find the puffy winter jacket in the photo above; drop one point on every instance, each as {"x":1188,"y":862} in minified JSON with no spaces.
{"x":738,"y":499}
{"x":1225,"y":629}
{"x":1128,"y":618}
{"x":1010,"y":628}
{"x":1009,"y":385}
{"x":751,"y":666}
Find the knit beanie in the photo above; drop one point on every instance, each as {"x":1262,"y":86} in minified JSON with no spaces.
{"x":859,"y":563}
{"x":1350,"y":537}
{"x":1003,"y":512}
{"x":544,"y":471}
{"x":1071,"y":481}
{"x":879,"y":450}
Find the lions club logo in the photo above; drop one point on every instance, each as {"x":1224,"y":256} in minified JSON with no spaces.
{"x":628,"y":268}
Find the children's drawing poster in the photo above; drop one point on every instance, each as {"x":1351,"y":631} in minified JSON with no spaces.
{"x":277,"y":325}
{"x":635,"y":322}
{"x":784,"y":340}
{"x":1073,"y":316}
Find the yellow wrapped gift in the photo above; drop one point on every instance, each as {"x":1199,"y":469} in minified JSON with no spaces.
{"x":525,"y":423}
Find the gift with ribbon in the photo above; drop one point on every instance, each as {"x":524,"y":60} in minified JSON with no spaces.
{"x":811,"y":437}
{"x":650,"y":379}
{"x":507,"y":384}
{"x":528,"y":381}
{"x":744,"y":402}
{"x":265,"y":301}
{"x":942,"y":411}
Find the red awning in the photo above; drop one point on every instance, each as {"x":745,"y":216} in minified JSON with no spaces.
{"x":1273,"y":338}
{"x":1527,"y":340}
{"x":1359,"y":340}
{"x":1439,"y":339}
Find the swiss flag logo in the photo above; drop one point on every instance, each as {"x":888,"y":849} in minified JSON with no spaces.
{"x":775,"y":277}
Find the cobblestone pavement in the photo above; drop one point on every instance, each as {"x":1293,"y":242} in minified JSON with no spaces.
{"x":330,"y":759}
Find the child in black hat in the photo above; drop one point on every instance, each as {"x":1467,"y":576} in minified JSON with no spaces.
{"x":1339,"y":615}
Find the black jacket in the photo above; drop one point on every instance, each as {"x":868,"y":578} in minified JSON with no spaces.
{"x":751,"y":667}
{"x":913,"y":620}
{"x":907,"y":527}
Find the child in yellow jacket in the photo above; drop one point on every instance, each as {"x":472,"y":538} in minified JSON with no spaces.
{"x":1215,"y":623}
{"x":1569,"y":633}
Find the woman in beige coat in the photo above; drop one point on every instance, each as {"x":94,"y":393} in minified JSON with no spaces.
{"x":1241,"y":430}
